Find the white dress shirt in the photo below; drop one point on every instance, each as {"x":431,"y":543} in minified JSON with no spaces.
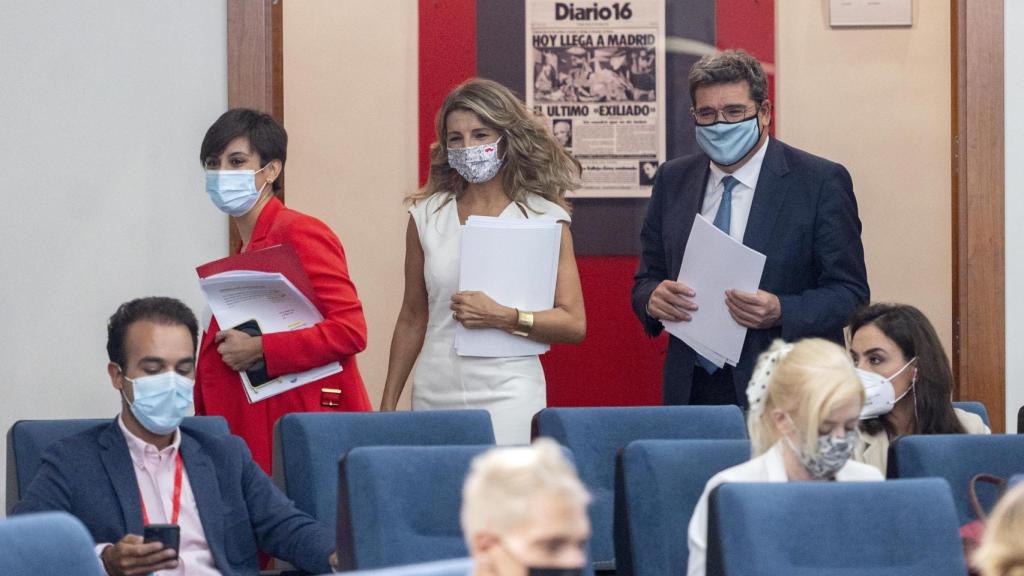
{"x":742,"y":193}
{"x":768,"y":467}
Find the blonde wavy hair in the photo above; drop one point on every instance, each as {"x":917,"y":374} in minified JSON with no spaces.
{"x":808,"y":382}
{"x":1001,"y":552}
{"x":534,"y":162}
{"x":502,"y":482}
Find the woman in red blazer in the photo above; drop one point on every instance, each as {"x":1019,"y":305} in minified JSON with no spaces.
{"x":244,"y":154}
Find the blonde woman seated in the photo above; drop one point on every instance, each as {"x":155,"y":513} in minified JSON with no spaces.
{"x":907,"y":379}
{"x":805,"y":401}
{"x":1002,"y":547}
{"x":524,"y":511}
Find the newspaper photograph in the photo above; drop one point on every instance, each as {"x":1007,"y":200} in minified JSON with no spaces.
{"x":595,"y":73}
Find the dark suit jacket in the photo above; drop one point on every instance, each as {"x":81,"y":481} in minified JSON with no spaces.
{"x":90,"y":476}
{"x":803,"y":218}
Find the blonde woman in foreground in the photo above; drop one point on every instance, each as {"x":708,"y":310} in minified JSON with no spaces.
{"x":805,"y":402}
{"x":524,"y":512}
{"x":1002,"y":547}
{"x":492,"y":157}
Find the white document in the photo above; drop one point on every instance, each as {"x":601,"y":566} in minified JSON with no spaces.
{"x":276,"y":305}
{"x":515,"y":262}
{"x":713,"y":263}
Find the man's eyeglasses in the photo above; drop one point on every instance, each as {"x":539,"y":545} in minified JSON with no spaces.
{"x":729,"y":114}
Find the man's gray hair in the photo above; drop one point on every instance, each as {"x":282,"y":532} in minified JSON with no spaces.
{"x":727,"y":67}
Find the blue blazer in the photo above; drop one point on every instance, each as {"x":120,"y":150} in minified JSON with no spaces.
{"x":90,"y":476}
{"x":803,"y":218}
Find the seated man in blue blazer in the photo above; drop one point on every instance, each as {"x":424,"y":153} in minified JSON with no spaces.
{"x":796,"y":209}
{"x":144,"y":468}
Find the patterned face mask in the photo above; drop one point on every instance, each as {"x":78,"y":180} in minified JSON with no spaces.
{"x":831,"y":455}
{"x":476,"y":164}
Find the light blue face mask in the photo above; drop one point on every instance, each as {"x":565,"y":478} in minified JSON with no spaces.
{"x":727,"y":143}
{"x":233,"y":191}
{"x":160,"y":401}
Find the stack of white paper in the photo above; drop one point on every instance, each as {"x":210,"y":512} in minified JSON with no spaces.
{"x":713,"y":263}
{"x":515,"y":262}
{"x":276,"y":305}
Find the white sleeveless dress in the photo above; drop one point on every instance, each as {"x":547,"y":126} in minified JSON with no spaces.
{"x":511,"y":389}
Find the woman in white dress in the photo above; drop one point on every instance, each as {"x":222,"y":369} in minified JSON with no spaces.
{"x":805,"y":402}
{"x":492,"y":157}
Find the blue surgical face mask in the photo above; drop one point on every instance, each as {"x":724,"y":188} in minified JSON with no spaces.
{"x":233,"y":191}
{"x":727,"y":143}
{"x":160,"y":401}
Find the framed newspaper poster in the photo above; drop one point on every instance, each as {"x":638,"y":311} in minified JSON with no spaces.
{"x":595,"y":71}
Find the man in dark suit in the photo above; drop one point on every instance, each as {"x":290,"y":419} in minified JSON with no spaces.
{"x":144,"y":468}
{"x":797,"y":209}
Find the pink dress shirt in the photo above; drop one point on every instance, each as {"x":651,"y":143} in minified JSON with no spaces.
{"x":154,"y":472}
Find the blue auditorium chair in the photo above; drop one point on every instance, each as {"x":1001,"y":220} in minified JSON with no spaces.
{"x":457,"y":567}
{"x":957,"y":458}
{"x":894,"y":528}
{"x":400,"y":504}
{"x":659,"y":484}
{"x":28,"y":439}
{"x":47,"y":544}
{"x":595,"y":435}
{"x":308,"y":446}
{"x":974,"y":408}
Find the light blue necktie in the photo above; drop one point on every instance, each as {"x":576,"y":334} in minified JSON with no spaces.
{"x":722,"y":220}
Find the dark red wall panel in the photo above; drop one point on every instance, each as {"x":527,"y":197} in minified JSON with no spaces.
{"x":447,"y":57}
{"x":617,"y":364}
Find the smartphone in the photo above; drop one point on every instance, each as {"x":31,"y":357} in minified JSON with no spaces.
{"x":257,"y":373}
{"x":168,"y":534}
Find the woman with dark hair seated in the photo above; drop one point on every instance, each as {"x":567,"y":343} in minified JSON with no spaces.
{"x":244,"y":154}
{"x":907,"y":380}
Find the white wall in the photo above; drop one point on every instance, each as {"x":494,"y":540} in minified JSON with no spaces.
{"x":103,"y":105}
{"x":1014,"y":208}
{"x":877,"y":100}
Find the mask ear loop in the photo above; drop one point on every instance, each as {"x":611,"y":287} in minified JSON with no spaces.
{"x":126,"y":378}
{"x":797,"y":448}
{"x":259,"y":193}
{"x":913,"y":388}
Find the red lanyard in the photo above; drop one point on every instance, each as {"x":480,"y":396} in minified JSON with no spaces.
{"x":176,"y":498}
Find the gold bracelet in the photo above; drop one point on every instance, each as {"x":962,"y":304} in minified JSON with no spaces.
{"x":524,"y":323}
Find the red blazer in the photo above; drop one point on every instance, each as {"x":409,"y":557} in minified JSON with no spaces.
{"x":339,"y":337}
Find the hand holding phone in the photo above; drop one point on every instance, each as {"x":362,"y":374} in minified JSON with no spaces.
{"x":132,"y":556}
{"x":167,"y":534}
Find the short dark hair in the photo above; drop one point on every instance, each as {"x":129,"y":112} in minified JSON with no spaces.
{"x":266,"y":136}
{"x":158,"y":309}
{"x":915,"y":336}
{"x":728,"y":67}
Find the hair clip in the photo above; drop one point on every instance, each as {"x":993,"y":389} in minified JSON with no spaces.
{"x":757,"y":389}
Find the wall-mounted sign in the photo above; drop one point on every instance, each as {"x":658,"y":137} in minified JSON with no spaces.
{"x":871,"y":13}
{"x":595,"y":72}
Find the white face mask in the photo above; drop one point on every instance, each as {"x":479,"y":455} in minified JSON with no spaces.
{"x":879,"y":393}
{"x":476,"y":163}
